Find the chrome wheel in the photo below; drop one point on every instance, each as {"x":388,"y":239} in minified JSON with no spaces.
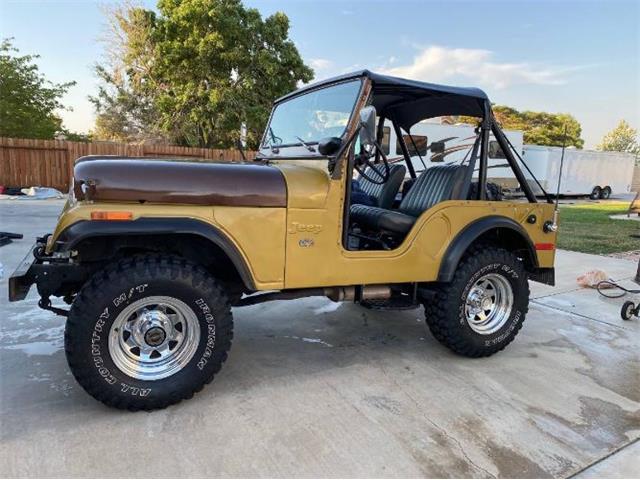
{"x":154,"y":338}
{"x":489,"y":303}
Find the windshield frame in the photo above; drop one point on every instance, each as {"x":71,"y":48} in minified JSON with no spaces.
{"x":267,"y":150}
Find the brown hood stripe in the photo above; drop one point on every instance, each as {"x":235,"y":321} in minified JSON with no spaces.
{"x":174,"y":181}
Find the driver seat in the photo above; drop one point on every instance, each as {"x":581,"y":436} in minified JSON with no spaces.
{"x":434,"y":185}
{"x":384,"y":194}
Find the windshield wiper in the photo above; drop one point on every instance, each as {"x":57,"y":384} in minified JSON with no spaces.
{"x":273,"y":142}
{"x":307,"y":145}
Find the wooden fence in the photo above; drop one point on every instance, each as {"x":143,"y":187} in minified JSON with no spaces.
{"x":49,"y":163}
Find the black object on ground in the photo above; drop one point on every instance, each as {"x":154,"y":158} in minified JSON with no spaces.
{"x":13,"y":191}
{"x":8,"y":237}
{"x":629,"y":309}
{"x":606,"y":284}
{"x":11,"y":235}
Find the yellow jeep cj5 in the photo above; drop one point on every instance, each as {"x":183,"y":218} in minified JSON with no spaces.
{"x":153,"y":254}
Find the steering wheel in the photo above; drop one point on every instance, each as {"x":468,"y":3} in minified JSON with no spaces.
{"x":364,"y":159}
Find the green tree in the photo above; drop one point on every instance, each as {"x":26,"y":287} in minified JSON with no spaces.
{"x":28,"y":102}
{"x":623,"y":138}
{"x":125,"y":114}
{"x":198,"y":70}
{"x":74,"y":136}
{"x":539,"y":128}
{"x":125,"y":101}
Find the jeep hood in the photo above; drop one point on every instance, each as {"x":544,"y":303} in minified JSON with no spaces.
{"x":123,"y":179}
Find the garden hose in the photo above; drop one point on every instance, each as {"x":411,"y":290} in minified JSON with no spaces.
{"x":611,"y":284}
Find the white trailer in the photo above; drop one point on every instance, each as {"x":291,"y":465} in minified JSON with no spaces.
{"x":585,"y":172}
{"x":436,"y":143}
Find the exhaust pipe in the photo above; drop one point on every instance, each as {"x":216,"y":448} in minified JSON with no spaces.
{"x":336,"y":294}
{"x":366,"y":292}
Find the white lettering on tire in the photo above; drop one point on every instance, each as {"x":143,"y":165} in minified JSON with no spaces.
{"x":98,"y":361}
{"x":211,"y":333}
{"x":124,"y":296}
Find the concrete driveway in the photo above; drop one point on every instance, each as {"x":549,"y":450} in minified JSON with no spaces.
{"x":317,"y":389}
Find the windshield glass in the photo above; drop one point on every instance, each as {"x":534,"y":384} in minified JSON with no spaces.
{"x":312,"y":116}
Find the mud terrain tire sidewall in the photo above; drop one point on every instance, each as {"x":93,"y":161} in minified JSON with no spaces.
{"x":446,"y":316}
{"x":108,"y":293}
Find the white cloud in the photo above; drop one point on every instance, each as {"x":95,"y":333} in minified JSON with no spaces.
{"x":320,"y":63}
{"x":476,"y":66}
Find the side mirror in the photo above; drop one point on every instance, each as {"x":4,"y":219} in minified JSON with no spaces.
{"x":437,"y":147}
{"x":368,"y":126}
{"x":330,"y":145}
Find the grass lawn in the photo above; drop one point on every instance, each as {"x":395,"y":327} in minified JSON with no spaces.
{"x":588,"y":228}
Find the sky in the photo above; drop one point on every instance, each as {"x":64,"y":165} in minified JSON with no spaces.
{"x":579,"y":57}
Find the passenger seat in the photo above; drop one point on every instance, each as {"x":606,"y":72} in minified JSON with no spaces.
{"x":434,"y":185}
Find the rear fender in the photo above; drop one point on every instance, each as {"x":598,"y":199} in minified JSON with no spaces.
{"x":473,"y":232}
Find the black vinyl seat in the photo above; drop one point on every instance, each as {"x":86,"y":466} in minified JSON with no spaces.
{"x":384,"y":193}
{"x":434,"y":185}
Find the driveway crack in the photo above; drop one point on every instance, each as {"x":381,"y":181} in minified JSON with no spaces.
{"x":436,"y":426}
{"x":602,"y":459}
{"x":579,"y":315}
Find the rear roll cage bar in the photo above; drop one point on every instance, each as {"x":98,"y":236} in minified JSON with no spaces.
{"x":488,"y":126}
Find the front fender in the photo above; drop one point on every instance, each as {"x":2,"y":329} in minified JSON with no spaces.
{"x":82,"y":230}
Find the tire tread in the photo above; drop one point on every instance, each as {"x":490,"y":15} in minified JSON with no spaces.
{"x":438,"y":310}
{"x":125,"y":271}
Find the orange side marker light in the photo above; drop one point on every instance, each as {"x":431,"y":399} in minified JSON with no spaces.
{"x":117,"y":216}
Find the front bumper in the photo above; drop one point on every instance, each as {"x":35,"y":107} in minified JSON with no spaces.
{"x":23,"y":277}
{"x":52,"y":274}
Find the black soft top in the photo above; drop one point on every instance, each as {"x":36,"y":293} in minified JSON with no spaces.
{"x":410,"y":101}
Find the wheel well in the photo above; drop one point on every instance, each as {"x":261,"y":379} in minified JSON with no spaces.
{"x":193,"y":247}
{"x":510,"y":240}
{"x":495,"y":230}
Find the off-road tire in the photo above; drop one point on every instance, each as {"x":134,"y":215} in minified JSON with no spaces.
{"x":445,"y":312}
{"x":595,"y":193}
{"x":111,"y":290}
{"x":605,"y":193}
